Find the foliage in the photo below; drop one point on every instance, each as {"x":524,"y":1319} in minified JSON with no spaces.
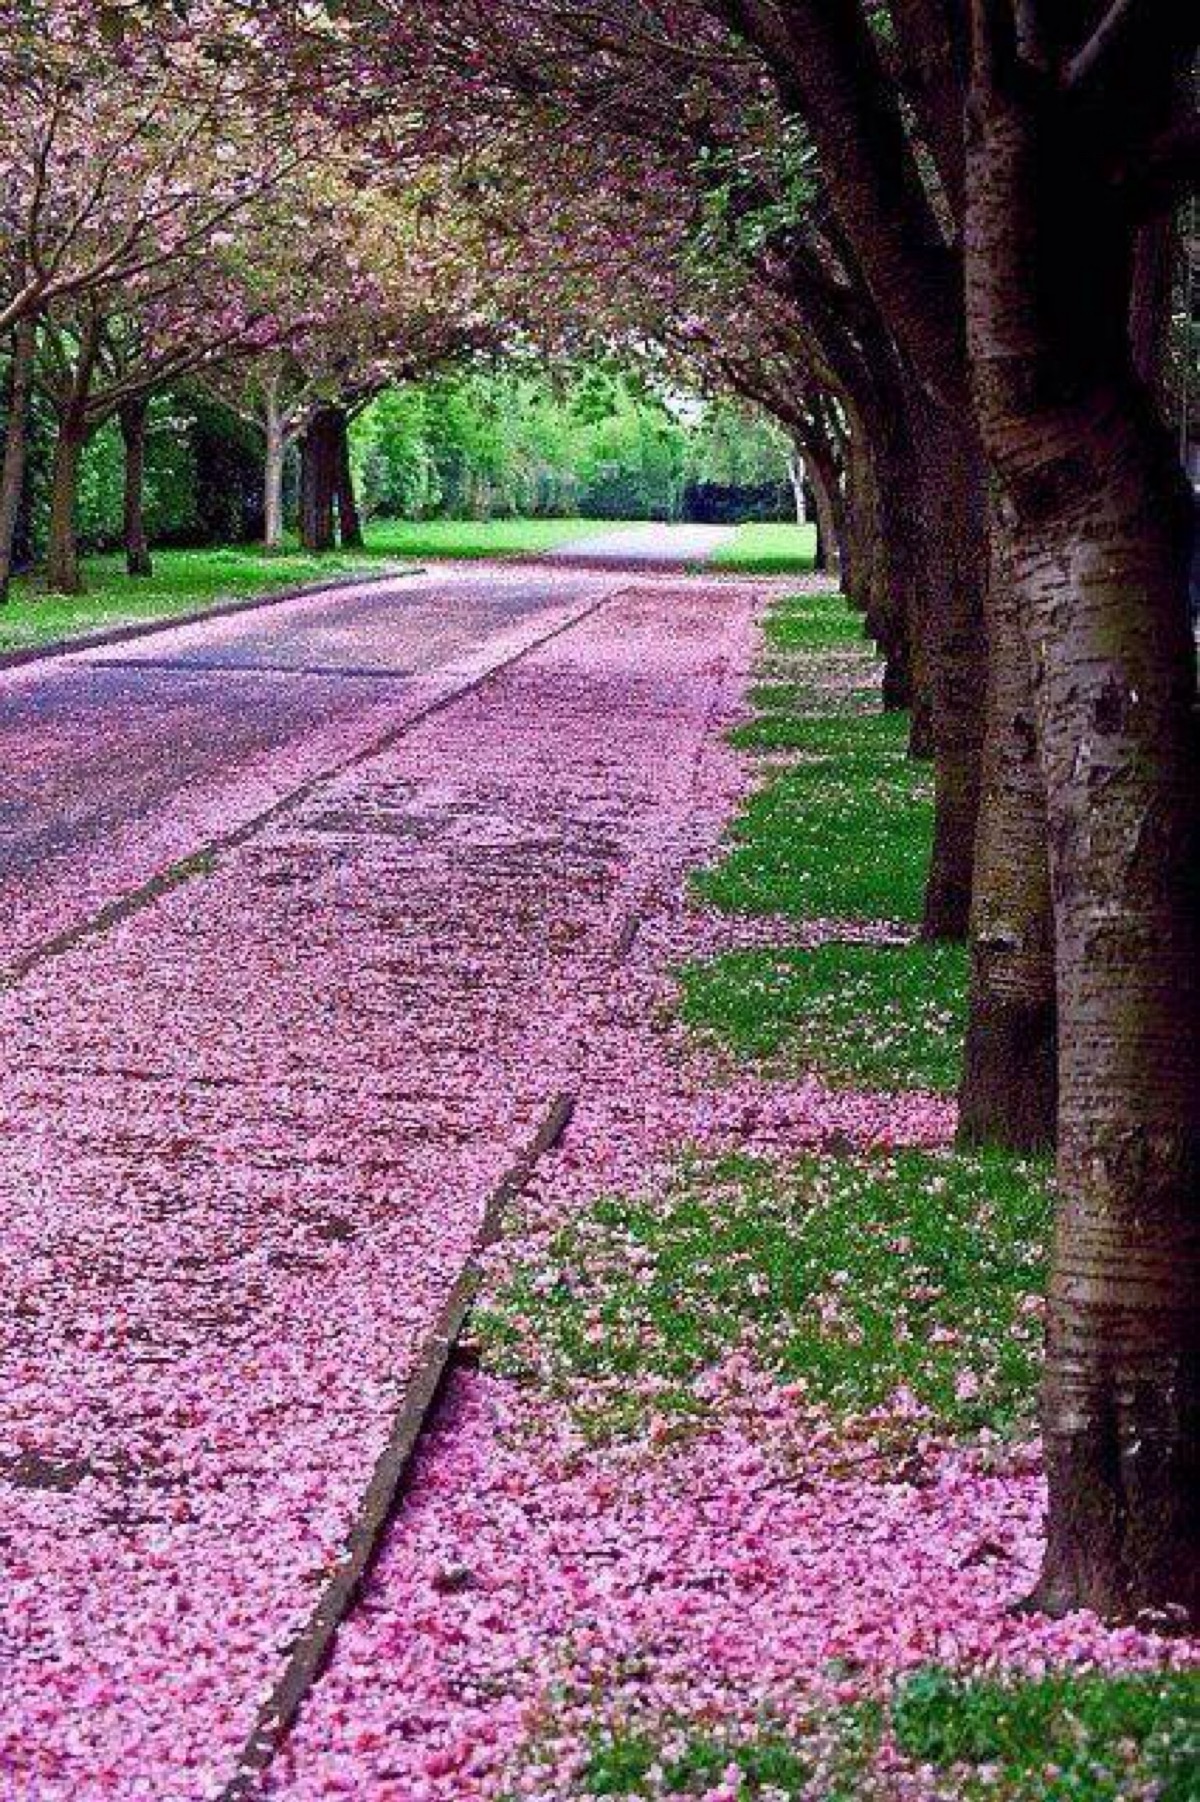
{"x":528,"y":441}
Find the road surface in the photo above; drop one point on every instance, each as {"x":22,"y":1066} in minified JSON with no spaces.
{"x":647,"y":546}
{"x":118,"y":763}
{"x":251,"y":1122}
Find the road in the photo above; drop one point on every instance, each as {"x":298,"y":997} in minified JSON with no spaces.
{"x":251,"y":1125}
{"x":121,"y":762}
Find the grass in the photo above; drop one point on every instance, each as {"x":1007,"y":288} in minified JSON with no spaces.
{"x":635,"y":1764}
{"x":844,"y":833}
{"x":474,"y":538}
{"x":878,"y":1016}
{"x":855,"y":1274}
{"x":767,"y":550}
{"x":836,"y":839}
{"x":189,"y":581}
{"x":1046,"y":1739}
{"x":851,"y":1275}
{"x":1055,"y":1739}
{"x":812,"y":622}
{"x":183,"y":582}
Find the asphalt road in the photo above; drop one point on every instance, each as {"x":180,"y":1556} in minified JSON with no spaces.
{"x":119,"y":762}
{"x":251,"y":1132}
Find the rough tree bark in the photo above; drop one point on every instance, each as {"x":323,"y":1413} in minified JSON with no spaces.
{"x":12,"y":472}
{"x":133,"y":415}
{"x":822,"y":481}
{"x":1099,"y":518}
{"x":318,"y":482}
{"x":63,"y":572}
{"x":953,"y":580}
{"x":273,"y":471}
{"x":349,"y":519}
{"x":1009,"y":1093}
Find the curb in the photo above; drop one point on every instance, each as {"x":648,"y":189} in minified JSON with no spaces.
{"x":94,"y":641}
{"x":311,"y":1650}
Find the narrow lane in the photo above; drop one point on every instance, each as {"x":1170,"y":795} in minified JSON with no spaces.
{"x":115,"y":764}
{"x":247,"y":1140}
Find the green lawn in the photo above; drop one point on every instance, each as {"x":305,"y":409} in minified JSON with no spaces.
{"x":188,"y":581}
{"x":856,"y":1274}
{"x":874,"y":1016}
{"x":183,"y":582}
{"x":843,"y":830}
{"x":1059,"y":1738}
{"x":484,"y":537}
{"x":769,"y":551}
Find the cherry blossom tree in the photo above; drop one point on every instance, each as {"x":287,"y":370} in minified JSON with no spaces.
{"x":364,"y":292}
{"x":134,"y":141}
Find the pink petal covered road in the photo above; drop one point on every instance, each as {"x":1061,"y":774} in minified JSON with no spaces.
{"x":538,"y":1588}
{"x":248,"y":1137}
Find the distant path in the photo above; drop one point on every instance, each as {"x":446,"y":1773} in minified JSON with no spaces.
{"x":648,"y":546}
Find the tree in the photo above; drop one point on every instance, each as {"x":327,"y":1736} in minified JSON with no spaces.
{"x":130,"y":137}
{"x":675,"y":93}
{"x":16,"y":426}
{"x":103,"y":357}
{"x":1078,"y":130}
{"x":360,"y":293}
{"x":1002,"y":282}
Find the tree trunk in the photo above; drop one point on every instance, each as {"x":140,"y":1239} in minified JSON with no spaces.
{"x":953,"y":584}
{"x":1009,"y":1093}
{"x":63,"y":573}
{"x":12,"y":473}
{"x":318,"y":483}
{"x":133,"y":417}
{"x":1099,"y":519}
{"x":349,"y":519}
{"x":1150,"y":302}
{"x":273,"y":474}
{"x":796,"y":478}
{"x":877,"y":568}
{"x":827,"y":560}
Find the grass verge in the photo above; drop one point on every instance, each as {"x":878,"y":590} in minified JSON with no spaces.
{"x":844,"y":831}
{"x":853,"y":1275}
{"x":878,"y":1016}
{"x":476,"y":538}
{"x":183,"y":582}
{"x":766,"y":550}
{"x":950,"y":1739}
